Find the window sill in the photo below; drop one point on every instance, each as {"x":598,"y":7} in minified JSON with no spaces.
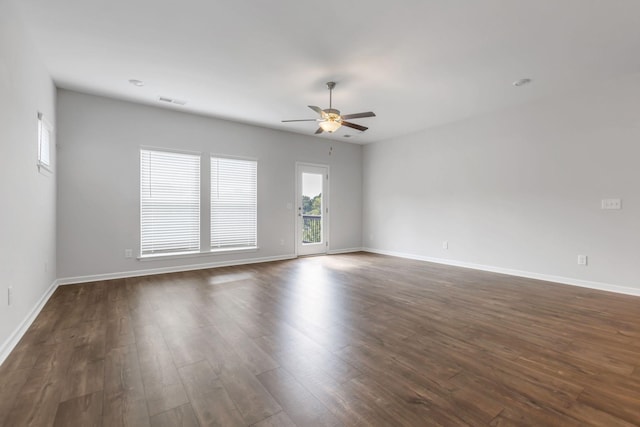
{"x":44,"y":169}
{"x":178,"y":255}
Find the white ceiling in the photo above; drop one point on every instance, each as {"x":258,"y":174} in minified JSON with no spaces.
{"x":416,"y":63}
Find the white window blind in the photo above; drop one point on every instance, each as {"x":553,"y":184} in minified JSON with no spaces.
{"x":234,"y":204}
{"x":169,"y":202}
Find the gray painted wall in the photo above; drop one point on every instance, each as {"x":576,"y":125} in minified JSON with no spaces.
{"x":27,"y":214}
{"x":517,"y":189}
{"x":98,"y":181}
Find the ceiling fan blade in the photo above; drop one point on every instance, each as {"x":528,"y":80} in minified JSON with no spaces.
{"x":301,"y":120}
{"x":319,"y":131}
{"x":354,"y":126}
{"x":358,"y":115}
{"x":317,"y":110}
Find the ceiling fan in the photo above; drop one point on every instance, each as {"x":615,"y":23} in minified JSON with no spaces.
{"x":330,"y":119}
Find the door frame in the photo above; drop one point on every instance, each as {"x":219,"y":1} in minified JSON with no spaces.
{"x":326,"y":202}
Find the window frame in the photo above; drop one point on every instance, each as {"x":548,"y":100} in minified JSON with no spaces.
{"x":225,"y":249}
{"x":205,"y":208}
{"x":177,"y":253}
{"x":44,"y":128}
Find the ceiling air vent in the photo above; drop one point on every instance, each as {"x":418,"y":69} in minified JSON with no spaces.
{"x":171,"y":100}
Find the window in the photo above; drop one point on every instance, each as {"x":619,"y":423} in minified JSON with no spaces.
{"x":169,"y":202}
{"x":44,"y":143}
{"x":233,"y":203}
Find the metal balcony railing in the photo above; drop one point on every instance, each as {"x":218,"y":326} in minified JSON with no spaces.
{"x":312,"y":229}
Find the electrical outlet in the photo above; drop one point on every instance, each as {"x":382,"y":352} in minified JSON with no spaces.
{"x":9,"y":296}
{"x":582,"y":260}
{"x":445,"y":244}
{"x":281,"y":242}
{"x":128,"y":253}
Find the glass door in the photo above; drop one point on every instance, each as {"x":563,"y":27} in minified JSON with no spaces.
{"x":312,"y":201}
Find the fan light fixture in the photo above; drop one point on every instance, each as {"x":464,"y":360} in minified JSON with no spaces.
{"x":331,"y":123}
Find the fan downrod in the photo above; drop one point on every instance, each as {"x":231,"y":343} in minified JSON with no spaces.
{"x":331,"y":85}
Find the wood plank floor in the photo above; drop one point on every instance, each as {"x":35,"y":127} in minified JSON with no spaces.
{"x":343,"y":340}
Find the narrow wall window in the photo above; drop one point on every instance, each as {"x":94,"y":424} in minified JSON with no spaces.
{"x":45,"y":131}
{"x":169,"y":202}
{"x":233,"y":203}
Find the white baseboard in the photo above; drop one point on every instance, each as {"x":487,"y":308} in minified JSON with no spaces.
{"x":344,"y":251}
{"x":162,"y":270}
{"x":7,"y":347}
{"x":511,"y":272}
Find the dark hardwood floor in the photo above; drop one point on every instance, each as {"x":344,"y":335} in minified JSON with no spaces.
{"x":343,"y":340}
